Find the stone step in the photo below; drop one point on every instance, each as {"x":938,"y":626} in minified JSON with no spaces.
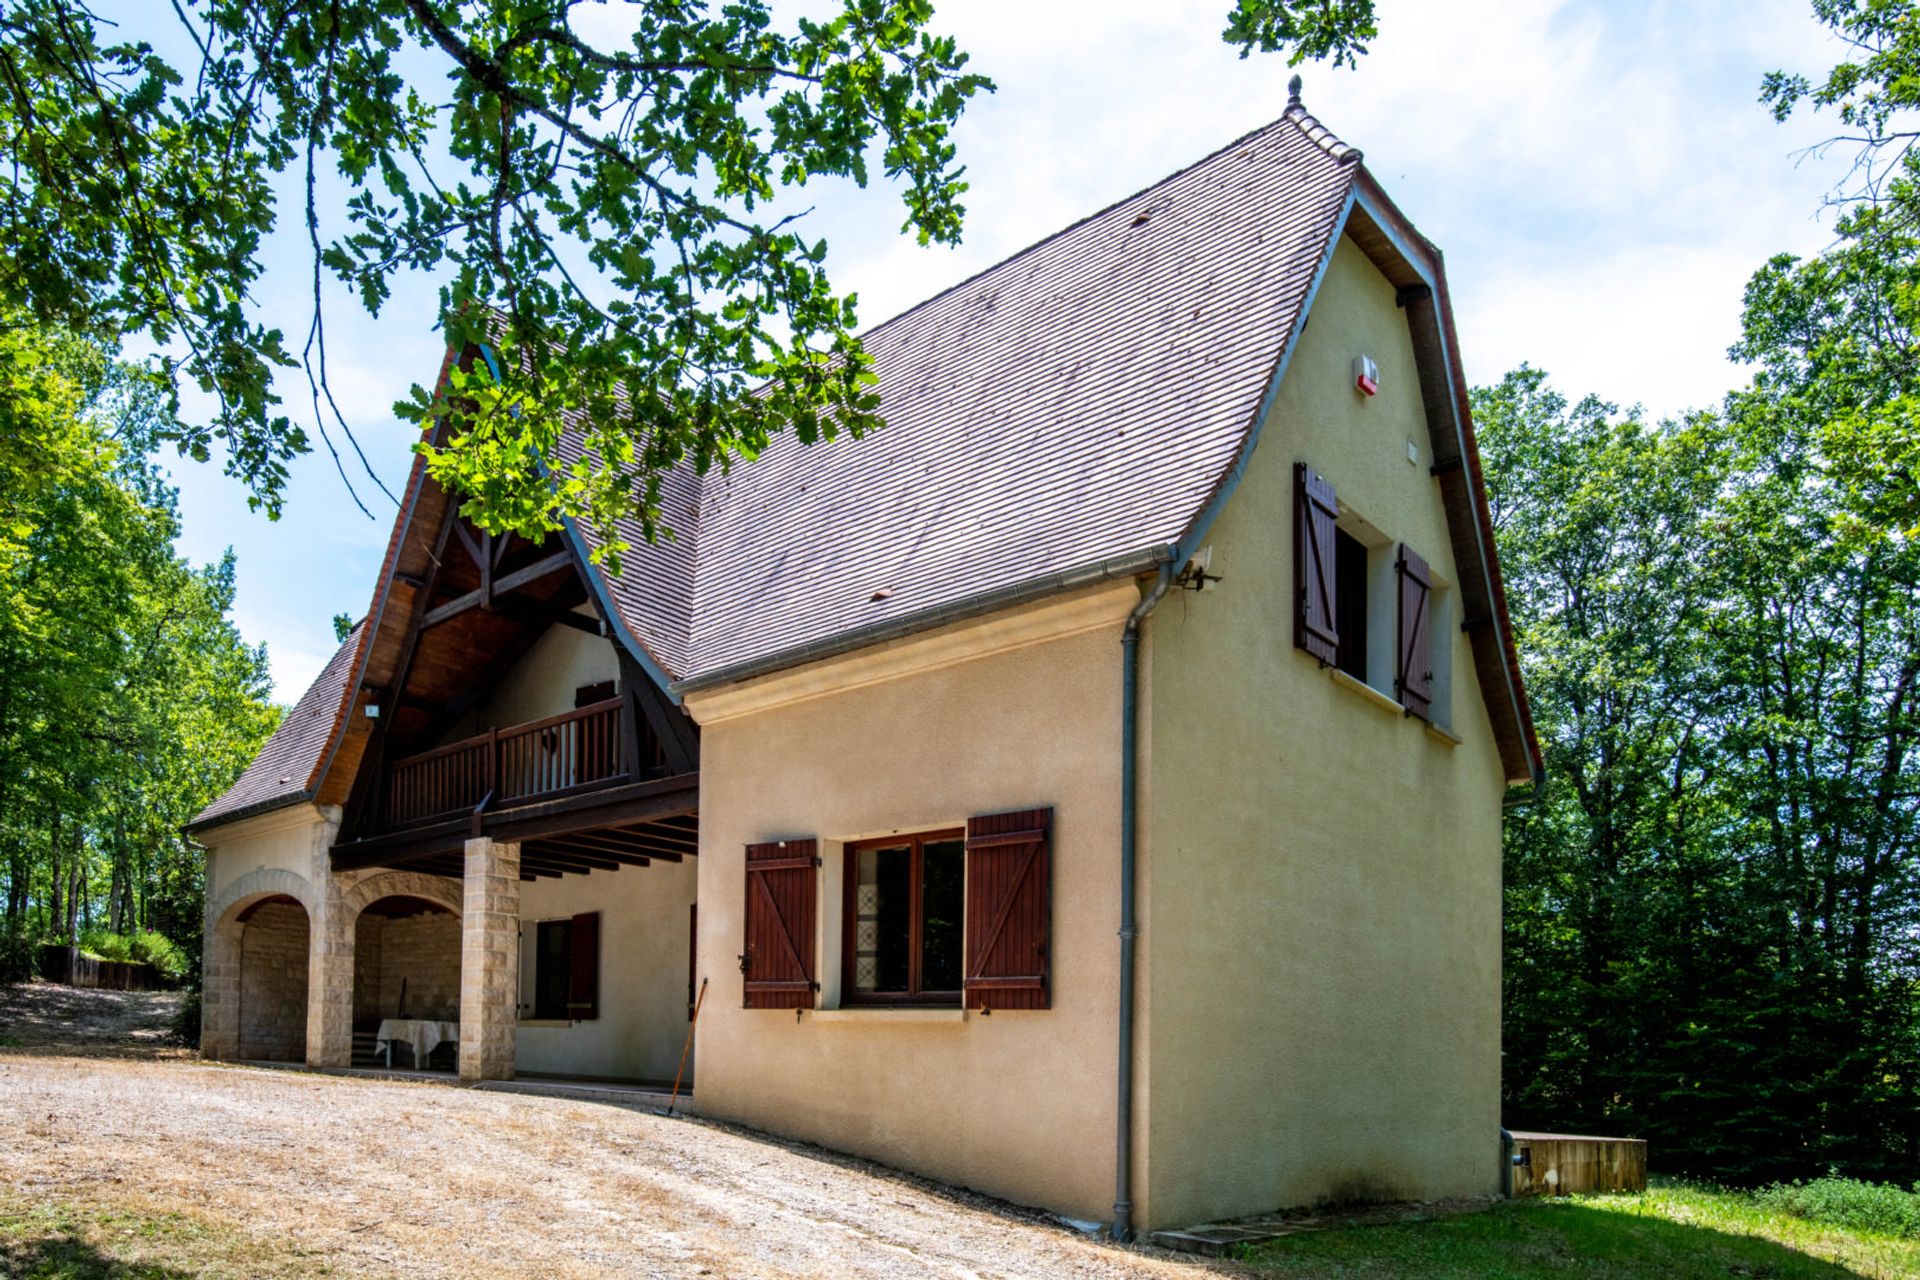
{"x":366,"y":1050}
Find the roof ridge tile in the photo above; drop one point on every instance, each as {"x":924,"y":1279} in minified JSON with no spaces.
{"x":1321,"y":136}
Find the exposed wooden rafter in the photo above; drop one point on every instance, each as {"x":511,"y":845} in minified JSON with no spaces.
{"x":678,"y":737}
{"x":487,"y":594}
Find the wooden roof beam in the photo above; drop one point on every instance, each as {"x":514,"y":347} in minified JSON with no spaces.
{"x":661,"y":834}
{"x":627,"y":854}
{"x":566,"y":859}
{"x":487,"y":593}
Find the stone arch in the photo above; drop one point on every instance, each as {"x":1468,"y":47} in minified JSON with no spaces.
{"x":402,"y":932}
{"x":278,"y":975}
{"x":260,"y":883}
{"x":438,"y":890}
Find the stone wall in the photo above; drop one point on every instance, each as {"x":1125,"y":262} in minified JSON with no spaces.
{"x":368,"y":935}
{"x":423,"y":951}
{"x":273,"y":983}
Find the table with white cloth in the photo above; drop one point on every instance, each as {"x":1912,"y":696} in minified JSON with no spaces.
{"x":422,"y":1035}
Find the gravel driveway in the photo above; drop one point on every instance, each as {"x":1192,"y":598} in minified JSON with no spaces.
{"x":391,"y":1178}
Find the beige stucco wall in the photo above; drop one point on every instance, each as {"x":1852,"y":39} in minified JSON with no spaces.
{"x":541,"y":684}
{"x":642,"y":1026}
{"x":292,"y":840}
{"x":1325,"y":994}
{"x":1019,"y":1104}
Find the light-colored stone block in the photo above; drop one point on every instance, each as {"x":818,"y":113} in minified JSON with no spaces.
{"x":489,"y":960}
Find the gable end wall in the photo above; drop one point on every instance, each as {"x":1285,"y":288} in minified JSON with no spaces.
{"x":1325,"y":914}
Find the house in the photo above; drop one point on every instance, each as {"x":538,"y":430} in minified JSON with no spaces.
{"x":1086,"y":789}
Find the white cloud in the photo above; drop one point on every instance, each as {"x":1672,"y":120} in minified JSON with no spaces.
{"x":1600,"y":176}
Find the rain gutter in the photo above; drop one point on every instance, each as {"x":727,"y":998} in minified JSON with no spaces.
{"x":1131,"y":565}
{"x":254,"y":810}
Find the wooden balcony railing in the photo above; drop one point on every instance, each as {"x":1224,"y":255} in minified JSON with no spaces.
{"x":561,"y":754}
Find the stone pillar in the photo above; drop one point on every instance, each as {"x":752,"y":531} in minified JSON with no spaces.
{"x":330,"y":974}
{"x":489,"y":960}
{"x":220,"y":991}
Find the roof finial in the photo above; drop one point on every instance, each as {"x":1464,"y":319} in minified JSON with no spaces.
{"x":1293,"y":90}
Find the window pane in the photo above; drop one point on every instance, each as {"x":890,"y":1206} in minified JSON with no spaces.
{"x":552,"y":968}
{"x":1350,"y":602}
{"x":883,"y":905}
{"x":944,"y":891}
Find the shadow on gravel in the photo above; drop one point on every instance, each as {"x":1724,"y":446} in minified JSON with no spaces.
{"x":45,"y":1017}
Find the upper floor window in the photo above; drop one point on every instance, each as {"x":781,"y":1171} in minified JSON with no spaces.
{"x":1367,"y":606}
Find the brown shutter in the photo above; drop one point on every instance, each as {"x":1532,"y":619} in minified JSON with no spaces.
{"x":1414,"y":679}
{"x":583,"y":977}
{"x":1009,"y":910}
{"x":1315,"y":603}
{"x":778,"y":960}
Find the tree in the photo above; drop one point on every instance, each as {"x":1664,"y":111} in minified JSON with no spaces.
{"x":127,"y":699}
{"x":1870,"y":88}
{"x":611,"y":217}
{"x":1599,"y":517}
{"x":1709,"y":907}
{"x":1868,"y":363}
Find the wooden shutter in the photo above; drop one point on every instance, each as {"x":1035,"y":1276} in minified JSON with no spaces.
{"x":1009,"y":910}
{"x":1413,"y":681}
{"x":583,"y":976}
{"x":1315,"y":628}
{"x":781,"y":892}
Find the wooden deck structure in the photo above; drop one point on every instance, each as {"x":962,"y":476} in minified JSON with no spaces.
{"x":612,"y":783}
{"x":1561,"y":1164}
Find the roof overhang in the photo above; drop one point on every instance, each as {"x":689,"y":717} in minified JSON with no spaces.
{"x":1415,"y":266}
{"x":255,"y":810}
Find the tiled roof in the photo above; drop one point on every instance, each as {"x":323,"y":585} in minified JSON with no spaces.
{"x":1078,"y":402}
{"x":282,"y":773}
{"x":1076,"y":405}
{"x":654,"y":589}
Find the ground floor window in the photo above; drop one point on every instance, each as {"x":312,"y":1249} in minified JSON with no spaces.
{"x":552,"y":967}
{"x":565,"y":977}
{"x":906,"y":899}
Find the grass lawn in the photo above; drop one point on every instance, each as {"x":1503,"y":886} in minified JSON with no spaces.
{"x":49,"y":1238}
{"x":1672,"y":1232}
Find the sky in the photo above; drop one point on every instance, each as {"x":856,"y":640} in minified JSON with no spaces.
{"x":1598,"y":173}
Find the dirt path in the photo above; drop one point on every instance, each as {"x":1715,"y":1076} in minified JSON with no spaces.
{"x":46,"y":1015}
{"x":384,"y":1178}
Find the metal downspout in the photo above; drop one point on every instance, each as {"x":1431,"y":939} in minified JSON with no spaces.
{"x":1122,"y":1229}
